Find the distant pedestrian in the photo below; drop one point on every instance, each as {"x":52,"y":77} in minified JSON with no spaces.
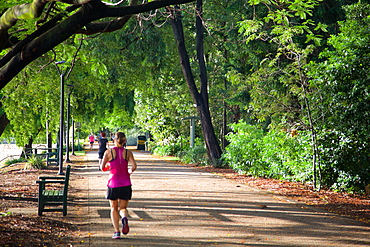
{"x":92,"y":140}
{"x":103,"y":144}
{"x":119,"y":190}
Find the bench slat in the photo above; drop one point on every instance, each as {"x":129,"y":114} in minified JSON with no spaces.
{"x":53,"y":193}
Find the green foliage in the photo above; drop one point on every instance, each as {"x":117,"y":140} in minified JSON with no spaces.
{"x":288,"y":157}
{"x":132,"y":135}
{"x":341,"y":86}
{"x":344,"y":161}
{"x":277,"y":85}
{"x":271,"y":154}
{"x":34,"y":162}
{"x":180,"y":148}
{"x":78,"y":147}
{"x":28,"y":104}
{"x":244,"y":151}
{"x":98,"y":101}
{"x":14,"y":161}
{"x":196,"y":155}
{"x":257,"y":60}
{"x":168,"y":149}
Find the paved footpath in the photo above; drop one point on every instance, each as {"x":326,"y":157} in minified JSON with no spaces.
{"x":176,"y":205}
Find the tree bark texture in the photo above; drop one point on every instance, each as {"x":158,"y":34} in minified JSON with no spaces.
{"x":200,"y":52}
{"x":4,"y":121}
{"x":201,"y":99}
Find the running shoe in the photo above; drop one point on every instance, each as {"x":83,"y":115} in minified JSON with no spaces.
{"x":125,"y":227}
{"x":116,"y":235}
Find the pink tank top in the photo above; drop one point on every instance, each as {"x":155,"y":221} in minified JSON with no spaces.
{"x":119,"y":175}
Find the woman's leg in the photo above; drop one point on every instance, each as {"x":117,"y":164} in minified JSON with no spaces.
{"x":123,"y":208}
{"x":100,"y":158}
{"x":124,"y":214}
{"x":114,"y":214}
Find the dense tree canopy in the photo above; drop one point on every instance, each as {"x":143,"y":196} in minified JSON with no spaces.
{"x":58,"y":23}
{"x":294,"y":69}
{"x":341,"y":86}
{"x":60,"y":28}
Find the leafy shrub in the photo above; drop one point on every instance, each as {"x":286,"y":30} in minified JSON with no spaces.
{"x":181,"y":148}
{"x":196,"y":155}
{"x":169,"y":149}
{"x":243,"y":153}
{"x":344,"y":161}
{"x":287,"y":157}
{"x":13,"y":161}
{"x":341,"y":86}
{"x":34,"y":162}
{"x":271,"y":154}
{"x":77,"y":147}
{"x":150,"y":145}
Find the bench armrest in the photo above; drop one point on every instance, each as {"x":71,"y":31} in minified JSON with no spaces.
{"x":44,"y":178}
{"x":51,"y":182}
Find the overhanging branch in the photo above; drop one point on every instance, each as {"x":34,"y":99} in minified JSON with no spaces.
{"x":89,"y":12}
{"x":25,"y":11}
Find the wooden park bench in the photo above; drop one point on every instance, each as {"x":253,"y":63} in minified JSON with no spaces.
{"x":52,"y":158}
{"x":46,"y":154}
{"x":53,"y":197}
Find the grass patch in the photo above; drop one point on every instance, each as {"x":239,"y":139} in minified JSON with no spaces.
{"x":80,"y":153}
{"x":172,"y":158}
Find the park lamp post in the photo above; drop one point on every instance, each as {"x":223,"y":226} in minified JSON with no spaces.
{"x":192,"y":128}
{"x":70,"y":89}
{"x":61,"y":121}
{"x":73,"y":137}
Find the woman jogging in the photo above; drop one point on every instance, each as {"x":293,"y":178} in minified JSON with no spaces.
{"x":91,"y":140}
{"x":119,"y":183}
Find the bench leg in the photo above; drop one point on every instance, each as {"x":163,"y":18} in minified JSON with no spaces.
{"x":40,"y":208}
{"x":65,"y":206}
{"x":40,"y":200}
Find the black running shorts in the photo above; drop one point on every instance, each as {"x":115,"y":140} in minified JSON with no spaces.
{"x":123,"y":193}
{"x":101,"y":155}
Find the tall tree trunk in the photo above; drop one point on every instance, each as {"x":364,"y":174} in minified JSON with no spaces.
{"x":200,"y":53}
{"x":224,"y":125}
{"x":4,"y":121}
{"x":315,"y":157}
{"x":27,"y":149}
{"x":201,"y":99}
{"x":49,"y":141}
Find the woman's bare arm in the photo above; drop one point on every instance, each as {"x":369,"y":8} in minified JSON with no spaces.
{"x":132,"y":161}
{"x":106,"y":158}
